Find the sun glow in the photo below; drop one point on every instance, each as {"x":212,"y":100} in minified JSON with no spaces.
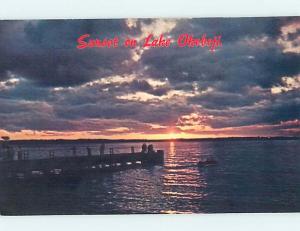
{"x":174,"y":135}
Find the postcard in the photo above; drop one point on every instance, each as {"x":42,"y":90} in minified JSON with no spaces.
{"x":150,"y":116}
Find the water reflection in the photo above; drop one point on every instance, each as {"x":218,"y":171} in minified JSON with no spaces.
{"x":183,"y":184}
{"x":172,"y":148}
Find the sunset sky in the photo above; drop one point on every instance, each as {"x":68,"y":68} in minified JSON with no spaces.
{"x":248,"y":87}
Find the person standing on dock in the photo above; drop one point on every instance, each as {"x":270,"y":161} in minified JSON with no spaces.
{"x":150,"y":148}
{"x":102,"y":148}
{"x":8,"y":152}
{"x":89,"y":151}
{"x":144,"y":148}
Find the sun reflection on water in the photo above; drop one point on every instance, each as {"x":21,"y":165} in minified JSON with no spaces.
{"x":183,"y":183}
{"x":172,"y":148}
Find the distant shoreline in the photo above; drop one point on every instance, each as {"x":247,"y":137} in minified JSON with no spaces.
{"x":154,"y":140}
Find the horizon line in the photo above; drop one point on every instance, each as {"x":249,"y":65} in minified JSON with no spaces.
{"x":158,"y":140}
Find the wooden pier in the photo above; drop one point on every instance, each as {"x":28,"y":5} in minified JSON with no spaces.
{"x":76,"y":165}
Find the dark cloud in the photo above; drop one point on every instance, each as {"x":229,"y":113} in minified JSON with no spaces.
{"x":233,"y":29}
{"x":235,"y":65}
{"x":223,"y":100}
{"x":268,"y":110}
{"x":160,"y":113}
{"x":45,"y":51}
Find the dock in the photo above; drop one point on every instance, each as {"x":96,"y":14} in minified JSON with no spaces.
{"x":24,"y":168}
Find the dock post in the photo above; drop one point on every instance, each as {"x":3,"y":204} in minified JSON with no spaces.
{"x":111,"y":151}
{"x":19,"y":155}
{"x":25,"y":155}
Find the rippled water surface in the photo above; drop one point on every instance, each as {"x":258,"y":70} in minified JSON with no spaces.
{"x":251,"y":176}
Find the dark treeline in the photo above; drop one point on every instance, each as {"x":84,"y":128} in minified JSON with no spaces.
{"x":62,"y":141}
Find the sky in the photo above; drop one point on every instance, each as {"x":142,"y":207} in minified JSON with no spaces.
{"x":250,"y":86}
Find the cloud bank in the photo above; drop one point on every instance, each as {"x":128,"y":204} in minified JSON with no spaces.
{"x":248,"y":87}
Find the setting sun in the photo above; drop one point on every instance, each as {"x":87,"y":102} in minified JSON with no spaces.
{"x":173,"y":135}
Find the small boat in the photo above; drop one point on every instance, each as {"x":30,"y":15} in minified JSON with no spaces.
{"x":203,"y":163}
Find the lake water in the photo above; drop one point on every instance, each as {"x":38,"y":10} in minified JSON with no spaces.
{"x":251,"y":176}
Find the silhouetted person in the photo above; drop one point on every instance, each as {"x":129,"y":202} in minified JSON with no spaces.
{"x":144,"y":148}
{"x":132,"y":149}
{"x":150,"y":148}
{"x":89,"y":151}
{"x":102,"y":148}
{"x":9,"y":153}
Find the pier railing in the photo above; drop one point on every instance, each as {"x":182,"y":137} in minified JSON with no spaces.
{"x":23,"y":166}
{"x":24,"y":153}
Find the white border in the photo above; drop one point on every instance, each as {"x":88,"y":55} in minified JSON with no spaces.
{"x":220,"y":222}
{"x":58,"y":9}
{"x":67,"y":9}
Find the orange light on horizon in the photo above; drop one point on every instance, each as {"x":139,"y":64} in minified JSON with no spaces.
{"x":52,"y":135}
{"x":171,"y":133}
